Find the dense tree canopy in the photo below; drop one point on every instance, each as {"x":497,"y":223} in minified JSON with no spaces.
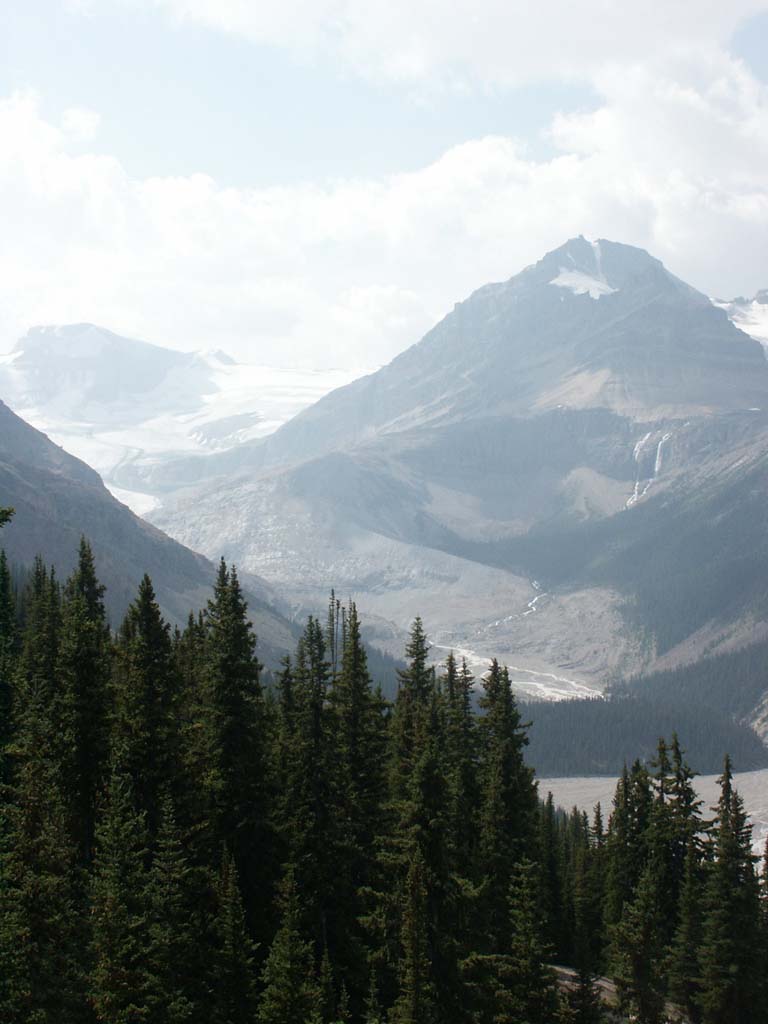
{"x":181,"y":843}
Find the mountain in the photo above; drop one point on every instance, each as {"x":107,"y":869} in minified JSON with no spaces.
{"x":751,"y":315}
{"x":567,"y":472}
{"x":126,"y":407}
{"x":57,"y":498}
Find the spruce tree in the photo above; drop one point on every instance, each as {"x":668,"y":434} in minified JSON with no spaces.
{"x":8,"y":651}
{"x":83,"y":674}
{"x":638,"y":951}
{"x":729,"y":954}
{"x":42,"y":924}
{"x":416,"y":1001}
{"x":234,"y":744}
{"x":683,"y":966}
{"x":232,"y":980}
{"x":525,"y":987}
{"x":291,"y":993}
{"x":173,"y":954}
{"x":145,"y":727}
{"x":120,"y":978}
{"x":507,"y":802}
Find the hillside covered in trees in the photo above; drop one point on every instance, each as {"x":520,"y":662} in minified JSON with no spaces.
{"x":179,"y":843}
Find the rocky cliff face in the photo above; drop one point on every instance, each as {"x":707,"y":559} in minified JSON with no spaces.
{"x":556,"y":474}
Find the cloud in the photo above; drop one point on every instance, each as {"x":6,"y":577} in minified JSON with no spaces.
{"x":674,"y":159}
{"x":488,"y":42}
{"x":80,"y":124}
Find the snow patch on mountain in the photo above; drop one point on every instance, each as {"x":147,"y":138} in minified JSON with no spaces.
{"x":750,"y":315}
{"x":118,"y":403}
{"x":582,"y":284}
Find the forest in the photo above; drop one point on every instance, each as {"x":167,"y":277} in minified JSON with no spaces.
{"x":596,"y":737}
{"x":181,"y":843}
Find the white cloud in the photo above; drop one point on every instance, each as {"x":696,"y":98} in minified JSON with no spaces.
{"x":80,"y":124}
{"x":470,"y":41}
{"x":675,"y":160}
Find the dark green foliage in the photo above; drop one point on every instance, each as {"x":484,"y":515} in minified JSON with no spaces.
{"x":145,"y":729}
{"x":42,"y":928}
{"x":5,"y":516}
{"x":231,"y":743}
{"x":292,"y":994}
{"x":416,"y":1002}
{"x":152,"y":794}
{"x":596,"y":737}
{"x":638,"y":947}
{"x":232,"y":972}
{"x":729,"y":954}
{"x":507,"y":813}
{"x":120,"y":982}
{"x":83,"y":674}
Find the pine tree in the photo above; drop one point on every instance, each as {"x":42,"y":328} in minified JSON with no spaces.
{"x":41,"y":915}
{"x":232,"y":977}
{"x":356,"y":751}
{"x":416,"y":999}
{"x":415,"y":687}
{"x":119,"y":980}
{"x":507,"y":802}
{"x":6,"y":515}
{"x":729,"y":953}
{"x":461,"y":764}
{"x":8,"y":642}
{"x":145,"y":728}
{"x":627,"y":842}
{"x":638,"y":951}
{"x":234,"y":744}
{"x":291,"y":992}
{"x":683,"y":968}
{"x":83,"y":671}
{"x":173,"y":953}
{"x":527,"y":989}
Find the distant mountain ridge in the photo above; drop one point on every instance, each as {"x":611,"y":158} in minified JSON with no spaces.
{"x":57,"y":498}
{"x":520,"y":474}
{"x":126,"y":406}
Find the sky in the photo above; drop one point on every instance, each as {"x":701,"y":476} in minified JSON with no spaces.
{"x":314,"y":183}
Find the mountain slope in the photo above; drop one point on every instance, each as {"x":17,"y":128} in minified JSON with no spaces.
{"x":127,"y":407}
{"x":57,"y":498}
{"x":525,"y":477}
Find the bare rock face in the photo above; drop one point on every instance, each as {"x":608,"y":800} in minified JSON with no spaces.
{"x":568,"y":472}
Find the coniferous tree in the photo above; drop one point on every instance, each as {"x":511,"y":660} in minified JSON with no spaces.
{"x":416,"y":1002}
{"x":173,"y":955}
{"x":42,"y":968}
{"x":8,"y":641}
{"x":145,"y":728}
{"x":626,"y":850}
{"x":528,"y":990}
{"x":638,"y":951}
{"x":291,"y":993}
{"x":119,"y":979}
{"x":232,"y":978}
{"x":729,"y":953}
{"x":683,"y":968}
{"x":234,"y":745}
{"x":357,"y":749}
{"x":83,"y":671}
{"x":507,"y":802}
